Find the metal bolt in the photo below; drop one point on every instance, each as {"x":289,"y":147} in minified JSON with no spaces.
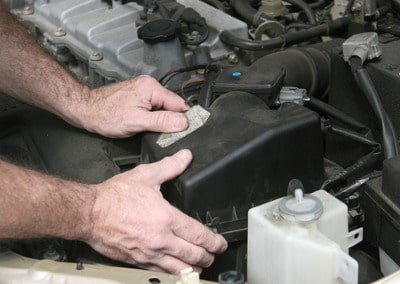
{"x":59,"y":32}
{"x":233,"y":58}
{"x":356,"y":7}
{"x":96,"y":56}
{"x":201,"y":71}
{"x":28,"y":10}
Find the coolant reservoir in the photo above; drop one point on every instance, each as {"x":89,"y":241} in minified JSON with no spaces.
{"x":301,"y":239}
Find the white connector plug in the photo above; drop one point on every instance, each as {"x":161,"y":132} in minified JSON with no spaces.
{"x":188,"y":276}
{"x":364,"y":46}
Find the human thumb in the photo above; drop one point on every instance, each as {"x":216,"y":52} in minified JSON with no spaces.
{"x":172,"y":166}
{"x":164,"y":121}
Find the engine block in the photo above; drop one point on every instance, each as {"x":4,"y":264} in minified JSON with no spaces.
{"x":99,"y":43}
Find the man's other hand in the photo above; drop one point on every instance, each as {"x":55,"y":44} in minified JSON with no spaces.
{"x":133,"y":223}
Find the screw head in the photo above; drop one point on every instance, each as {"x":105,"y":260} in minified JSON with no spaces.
{"x":28,"y":10}
{"x":233,"y":58}
{"x":356,"y":7}
{"x":59,"y":32}
{"x":96,"y":56}
{"x":201,"y":71}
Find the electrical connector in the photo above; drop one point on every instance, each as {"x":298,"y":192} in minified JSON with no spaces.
{"x":292,"y":95}
{"x":363,"y":46}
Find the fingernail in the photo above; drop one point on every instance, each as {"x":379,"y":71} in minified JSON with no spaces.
{"x":185,"y":154}
{"x":188,"y":104}
{"x":224,"y":244}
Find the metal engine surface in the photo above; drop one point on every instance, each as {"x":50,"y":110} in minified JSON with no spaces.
{"x":99,"y":42}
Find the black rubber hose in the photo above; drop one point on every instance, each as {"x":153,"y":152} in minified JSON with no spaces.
{"x":297,"y":26}
{"x":353,"y":136}
{"x":355,"y":186}
{"x":306,"y":9}
{"x":396,"y":5}
{"x":215,"y":3}
{"x":326,"y":109}
{"x":316,"y":4}
{"x":286,"y":39}
{"x":389,"y":137}
{"x":247,"y":12}
{"x":362,"y":164}
{"x":383,"y":10}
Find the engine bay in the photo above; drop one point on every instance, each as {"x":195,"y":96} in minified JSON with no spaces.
{"x":295,"y":89}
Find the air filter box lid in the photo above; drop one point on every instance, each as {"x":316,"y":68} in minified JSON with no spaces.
{"x":244,"y":154}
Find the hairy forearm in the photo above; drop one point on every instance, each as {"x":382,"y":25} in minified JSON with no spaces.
{"x":31,"y":75}
{"x":35,"y":205}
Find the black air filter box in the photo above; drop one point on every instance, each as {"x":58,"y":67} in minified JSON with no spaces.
{"x":245,"y":154}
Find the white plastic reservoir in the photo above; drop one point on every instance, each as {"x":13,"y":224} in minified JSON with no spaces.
{"x":301,"y":239}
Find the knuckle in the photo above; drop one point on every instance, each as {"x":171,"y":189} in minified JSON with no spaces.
{"x":146,"y":78}
{"x":170,"y":162}
{"x":144,"y":172}
{"x":162,"y":119}
{"x":140,"y":258}
{"x":200,"y":236}
{"x":199,"y":256}
{"x":156,"y":243}
{"x":165,"y":221}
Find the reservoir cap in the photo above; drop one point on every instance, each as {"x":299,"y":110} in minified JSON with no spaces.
{"x":300,"y":207}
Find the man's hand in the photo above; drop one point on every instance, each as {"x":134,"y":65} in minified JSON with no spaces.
{"x":120,"y":110}
{"x":133,"y":223}
{"x":125,"y":217}
{"x":132,"y":106}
